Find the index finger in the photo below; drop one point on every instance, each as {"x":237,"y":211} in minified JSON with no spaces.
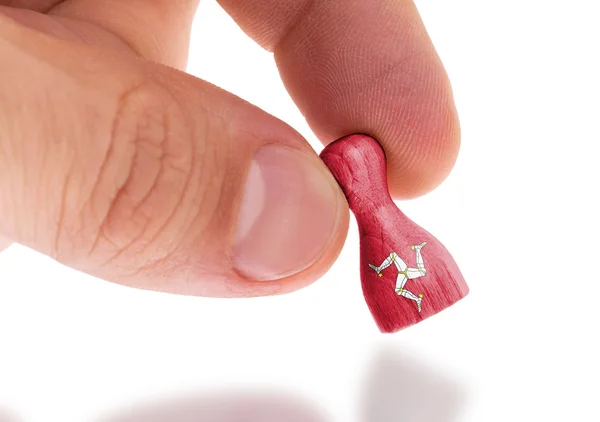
{"x":370,"y":67}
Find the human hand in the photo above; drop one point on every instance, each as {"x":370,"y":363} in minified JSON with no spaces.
{"x":117,"y":164}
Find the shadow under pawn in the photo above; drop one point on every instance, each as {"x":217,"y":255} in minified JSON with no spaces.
{"x":403,"y":388}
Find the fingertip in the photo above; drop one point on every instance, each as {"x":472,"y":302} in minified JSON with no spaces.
{"x":420,"y":133}
{"x":290,"y":214}
{"x":309,"y":275}
{"x":421,"y":158}
{"x":354,"y":67}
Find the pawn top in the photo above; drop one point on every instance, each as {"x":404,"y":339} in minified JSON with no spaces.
{"x":358,"y":164}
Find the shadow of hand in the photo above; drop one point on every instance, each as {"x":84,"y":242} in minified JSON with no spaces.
{"x":5,"y":416}
{"x":228,"y":408}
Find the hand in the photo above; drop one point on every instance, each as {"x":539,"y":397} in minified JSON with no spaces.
{"x":117,"y":164}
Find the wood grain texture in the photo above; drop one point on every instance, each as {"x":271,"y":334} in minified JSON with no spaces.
{"x":400,"y":288}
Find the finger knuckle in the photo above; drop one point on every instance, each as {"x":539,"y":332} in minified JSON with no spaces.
{"x":144,"y":179}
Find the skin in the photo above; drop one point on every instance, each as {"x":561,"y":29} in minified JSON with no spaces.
{"x":84,"y":83}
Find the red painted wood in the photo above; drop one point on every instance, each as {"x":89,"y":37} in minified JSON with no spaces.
{"x":358,"y":164}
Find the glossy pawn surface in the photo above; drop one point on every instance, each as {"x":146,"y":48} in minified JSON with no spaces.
{"x":407,"y":275}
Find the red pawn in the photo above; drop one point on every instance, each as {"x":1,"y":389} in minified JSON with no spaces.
{"x":407,"y":274}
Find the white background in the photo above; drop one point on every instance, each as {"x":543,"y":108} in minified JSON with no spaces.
{"x":519,"y":213}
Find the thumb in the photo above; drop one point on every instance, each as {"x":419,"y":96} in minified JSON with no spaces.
{"x":143,"y":175}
